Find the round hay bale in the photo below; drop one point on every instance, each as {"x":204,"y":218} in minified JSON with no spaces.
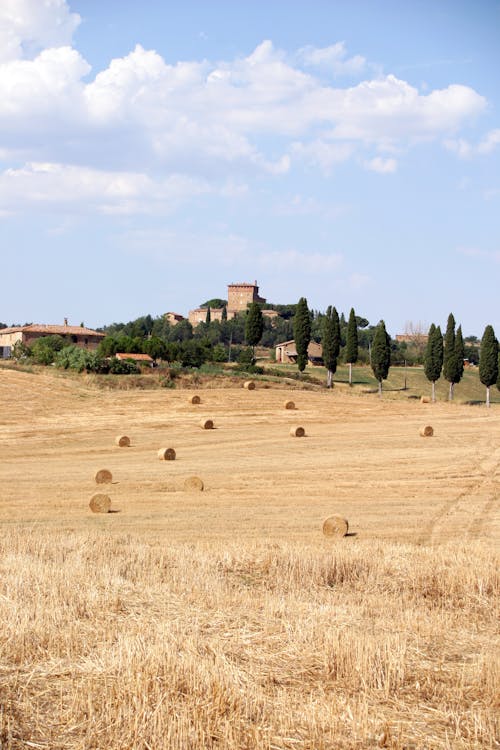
{"x":427,"y":431}
{"x":100,"y":504}
{"x":166,"y":454}
{"x":249,"y":385}
{"x":206,"y":424}
{"x":193,"y":484}
{"x":103,"y":476}
{"x":123,"y":441}
{"x":297,"y":431}
{"x":335,"y":526}
{"x":424,"y":400}
{"x":194,"y":400}
{"x":289,"y":404}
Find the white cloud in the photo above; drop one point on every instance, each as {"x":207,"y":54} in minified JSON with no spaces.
{"x":252,"y":115}
{"x":42,"y":94}
{"x":26,"y":26}
{"x":322,"y":154}
{"x":69,"y":186}
{"x":299,"y":205}
{"x":333,"y":58}
{"x":382,"y":166}
{"x":489,"y":142}
{"x":465,"y":150}
{"x":387,"y":111}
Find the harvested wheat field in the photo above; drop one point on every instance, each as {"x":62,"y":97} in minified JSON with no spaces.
{"x":226,"y":618}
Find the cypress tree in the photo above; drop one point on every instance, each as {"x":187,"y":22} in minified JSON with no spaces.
{"x":381,"y":354}
{"x":254,"y":326}
{"x":209,"y":317}
{"x":489,"y":361}
{"x":330,"y":343}
{"x":302,"y":332}
{"x":449,"y":358}
{"x":433,"y":362}
{"x":224,"y":313}
{"x":459,"y":355}
{"x":351,"y":346}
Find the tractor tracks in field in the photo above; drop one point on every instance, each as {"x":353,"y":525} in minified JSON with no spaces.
{"x":472,"y":512}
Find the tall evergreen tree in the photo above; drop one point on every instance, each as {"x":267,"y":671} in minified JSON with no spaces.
{"x":459,"y":355}
{"x":381,"y":354}
{"x":489,"y":361}
{"x":209,"y":316}
{"x":254,"y":326}
{"x":351,"y":345}
{"x":433,"y":361}
{"x":224,"y":313}
{"x":330,"y":343}
{"x":450,"y":355}
{"x":302,"y":332}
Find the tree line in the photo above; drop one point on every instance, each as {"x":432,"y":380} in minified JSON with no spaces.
{"x":349,"y":341}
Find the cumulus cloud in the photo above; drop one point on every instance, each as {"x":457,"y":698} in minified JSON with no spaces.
{"x":333,"y":58}
{"x":27,"y":26}
{"x":322,"y":154}
{"x":63,"y":185}
{"x":465,"y":150}
{"x":257,"y":114}
{"x":382,"y":166}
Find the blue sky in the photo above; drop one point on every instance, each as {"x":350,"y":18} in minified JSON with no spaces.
{"x":349,"y":152}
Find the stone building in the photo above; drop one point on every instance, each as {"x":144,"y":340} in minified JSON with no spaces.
{"x":286,"y":353}
{"x":78,"y":335}
{"x":174,"y":318}
{"x":200,"y":315}
{"x":239,"y":296}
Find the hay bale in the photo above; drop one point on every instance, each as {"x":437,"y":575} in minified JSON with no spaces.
{"x":289,"y":404}
{"x":194,"y":400}
{"x":193,"y":484}
{"x":297,"y":432}
{"x":100,"y":504}
{"x":249,"y":385}
{"x":424,"y":400}
{"x":206,"y":424}
{"x":166,"y":454}
{"x":103,"y":476}
{"x":123,"y":441}
{"x":427,"y":431}
{"x":335,"y":526}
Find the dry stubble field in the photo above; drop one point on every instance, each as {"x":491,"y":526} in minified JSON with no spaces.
{"x":224,"y":618}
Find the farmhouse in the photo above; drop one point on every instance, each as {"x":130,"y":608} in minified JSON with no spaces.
{"x":174,"y":318}
{"x":286,"y":353}
{"x":139,"y":359}
{"x":78,"y":335}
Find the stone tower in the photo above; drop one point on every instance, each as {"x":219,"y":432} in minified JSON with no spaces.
{"x":239,"y":296}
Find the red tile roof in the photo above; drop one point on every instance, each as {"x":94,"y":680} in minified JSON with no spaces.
{"x":49,"y":329}
{"x":138,"y":357}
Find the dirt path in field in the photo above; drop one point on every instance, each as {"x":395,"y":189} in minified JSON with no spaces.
{"x":472,"y":511}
